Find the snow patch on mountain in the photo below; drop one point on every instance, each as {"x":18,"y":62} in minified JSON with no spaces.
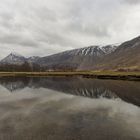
{"x":109,"y":49}
{"x":92,"y":50}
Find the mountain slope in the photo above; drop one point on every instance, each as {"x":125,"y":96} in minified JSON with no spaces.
{"x":14,"y":58}
{"x":33,"y":59}
{"x":74,"y":59}
{"x":124,"y":57}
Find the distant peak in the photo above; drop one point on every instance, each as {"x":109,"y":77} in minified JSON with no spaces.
{"x":14,"y":58}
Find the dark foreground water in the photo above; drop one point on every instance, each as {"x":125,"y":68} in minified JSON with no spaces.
{"x":69,"y":109}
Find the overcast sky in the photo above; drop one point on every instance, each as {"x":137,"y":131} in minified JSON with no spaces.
{"x":44,"y":27}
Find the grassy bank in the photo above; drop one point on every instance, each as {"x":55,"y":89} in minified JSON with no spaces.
{"x":87,"y":74}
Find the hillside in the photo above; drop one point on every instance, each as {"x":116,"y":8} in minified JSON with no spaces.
{"x":124,"y":57}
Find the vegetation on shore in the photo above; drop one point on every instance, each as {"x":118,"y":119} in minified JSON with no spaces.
{"x":87,"y":74}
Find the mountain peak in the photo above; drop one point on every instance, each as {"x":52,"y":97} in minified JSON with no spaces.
{"x":14,"y":58}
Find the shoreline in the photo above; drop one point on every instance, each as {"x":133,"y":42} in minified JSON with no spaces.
{"x":134,"y":76}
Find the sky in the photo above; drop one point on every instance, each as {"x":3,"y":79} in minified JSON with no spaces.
{"x":45,"y":27}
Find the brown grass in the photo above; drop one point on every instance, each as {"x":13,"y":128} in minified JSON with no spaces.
{"x":89,"y":74}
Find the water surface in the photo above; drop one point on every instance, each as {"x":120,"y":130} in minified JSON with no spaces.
{"x":69,"y":109}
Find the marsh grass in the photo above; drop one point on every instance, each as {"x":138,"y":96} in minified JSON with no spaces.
{"x":88,"y":74}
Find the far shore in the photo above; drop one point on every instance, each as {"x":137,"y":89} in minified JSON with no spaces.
{"x":86,"y":74}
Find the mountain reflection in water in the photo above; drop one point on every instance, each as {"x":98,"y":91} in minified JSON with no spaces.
{"x":128,"y":91}
{"x":59,"y":108}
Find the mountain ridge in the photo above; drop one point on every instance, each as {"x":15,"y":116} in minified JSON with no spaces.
{"x":123,"y":56}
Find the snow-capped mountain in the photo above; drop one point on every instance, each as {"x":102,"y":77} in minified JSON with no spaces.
{"x":92,"y":50}
{"x":77,"y":58}
{"x":126,"y":57}
{"x":14,"y":58}
{"x":87,"y":51}
{"x":68,"y":59}
{"x":110,"y":57}
{"x":17,"y":59}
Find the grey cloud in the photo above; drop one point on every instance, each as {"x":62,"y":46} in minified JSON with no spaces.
{"x":90,"y":29}
{"x":17,"y":40}
{"x":132,"y":1}
{"x":47,"y":27}
{"x":54,"y":38}
{"x":46,"y":14}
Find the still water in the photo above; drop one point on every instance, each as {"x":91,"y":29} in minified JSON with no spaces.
{"x":69,"y":109}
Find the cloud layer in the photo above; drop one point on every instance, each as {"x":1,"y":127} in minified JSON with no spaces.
{"x":44,"y":27}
